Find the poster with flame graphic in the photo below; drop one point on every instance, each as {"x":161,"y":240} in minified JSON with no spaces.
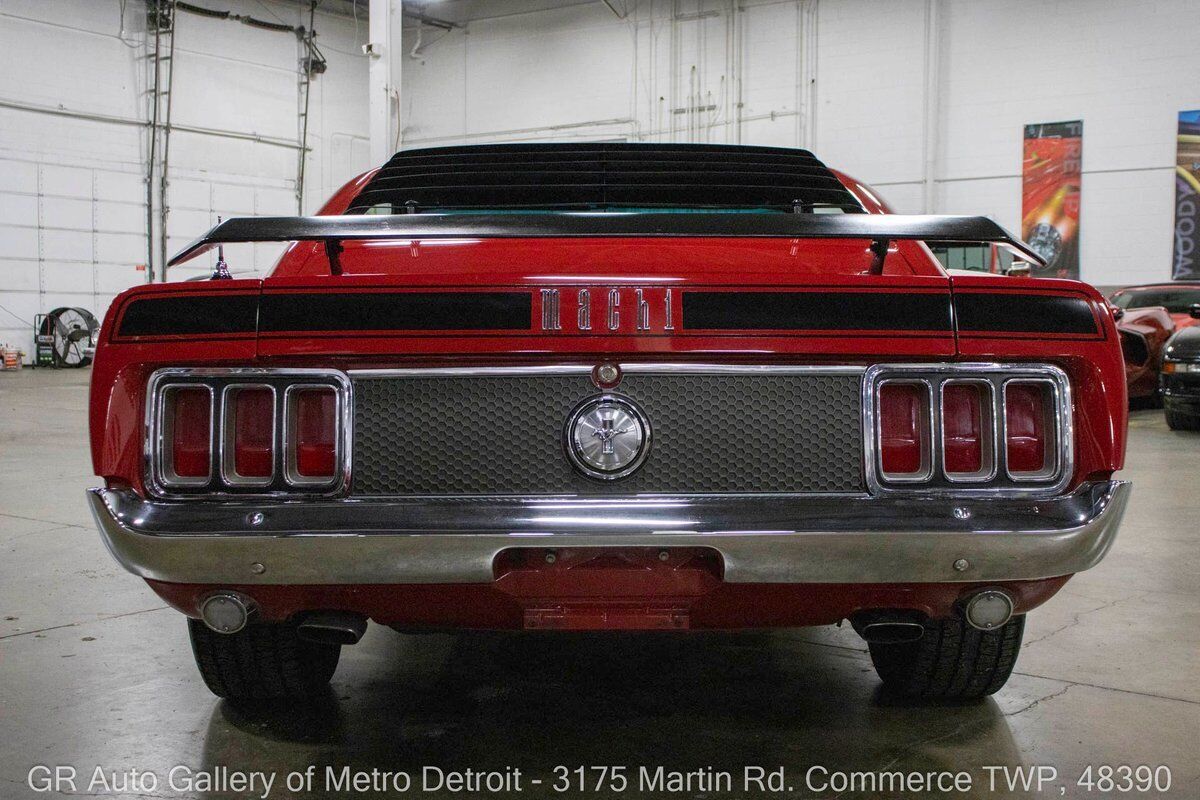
{"x":1185,"y":266}
{"x":1050,"y":180}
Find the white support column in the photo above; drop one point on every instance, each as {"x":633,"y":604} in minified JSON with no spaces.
{"x":806,"y":73}
{"x":386,"y":55}
{"x":933,"y":74}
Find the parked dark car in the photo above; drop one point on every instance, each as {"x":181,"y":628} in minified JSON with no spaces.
{"x":1181,"y":377}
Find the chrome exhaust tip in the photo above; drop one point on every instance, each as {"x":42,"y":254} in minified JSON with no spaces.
{"x":333,"y":627}
{"x":989,"y":609}
{"x":225,"y":612}
{"x":892,"y":632}
{"x":889,"y":627}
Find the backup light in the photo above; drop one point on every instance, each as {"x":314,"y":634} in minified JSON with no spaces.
{"x":989,"y":609}
{"x":225,"y":612}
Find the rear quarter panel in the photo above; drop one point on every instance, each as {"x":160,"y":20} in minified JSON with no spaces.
{"x":138,"y":339}
{"x":1091,"y":358}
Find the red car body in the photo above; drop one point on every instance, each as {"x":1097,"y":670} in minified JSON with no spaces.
{"x":1144,"y":332}
{"x":645,"y":288}
{"x":1149,"y":315}
{"x":1175,"y":298}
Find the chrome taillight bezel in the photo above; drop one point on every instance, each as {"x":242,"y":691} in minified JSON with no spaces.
{"x":929,"y":415}
{"x":291,"y":472}
{"x":994,"y":478}
{"x":158,"y":445}
{"x":222,"y":479}
{"x":1053,"y":451}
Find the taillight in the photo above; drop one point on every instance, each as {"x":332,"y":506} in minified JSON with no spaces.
{"x":247,"y":431}
{"x":186,"y":449}
{"x":904,"y":435}
{"x":967,"y":427}
{"x":249,"y":427}
{"x":313,"y":431}
{"x":1029,"y":429}
{"x":967,"y":432}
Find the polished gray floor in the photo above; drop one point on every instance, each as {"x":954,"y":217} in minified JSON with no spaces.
{"x":94,"y":671}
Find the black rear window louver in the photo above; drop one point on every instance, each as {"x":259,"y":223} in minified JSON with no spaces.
{"x":611,"y":176}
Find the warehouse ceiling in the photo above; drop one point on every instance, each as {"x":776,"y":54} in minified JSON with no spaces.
{"x":461,"y":12}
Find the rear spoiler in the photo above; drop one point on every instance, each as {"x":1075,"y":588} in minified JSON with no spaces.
{"x":881,"y":229}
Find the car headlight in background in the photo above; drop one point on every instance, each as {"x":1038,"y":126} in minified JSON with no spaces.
{"x":1170,"y":366}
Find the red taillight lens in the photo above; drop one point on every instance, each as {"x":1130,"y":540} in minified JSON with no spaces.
{"x":315,"y":437}
{"x":253,"y":429}
{"x":903,"y":430}
{"x":190,"y":412}
{"x":1026,"y":427}
{"x":962,"y":428}
{"x":247,"y":432}
{"x":969,"y":426}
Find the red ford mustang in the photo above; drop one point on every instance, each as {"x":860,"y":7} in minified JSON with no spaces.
{"x":602,"y":386}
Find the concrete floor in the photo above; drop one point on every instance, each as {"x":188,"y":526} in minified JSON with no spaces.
{"x":94,"y":671}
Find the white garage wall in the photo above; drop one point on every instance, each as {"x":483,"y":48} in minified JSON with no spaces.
{"x":1125,"y":68}
{"x":72,"y":189}
{"x":849,"y":78}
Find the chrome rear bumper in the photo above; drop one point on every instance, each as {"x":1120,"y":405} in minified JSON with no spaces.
{"x":791,"y":539}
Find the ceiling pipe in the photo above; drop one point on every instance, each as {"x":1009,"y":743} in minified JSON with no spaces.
{"x":59,"y":111}
{"x":620,"y":14}
{"x":433,"y":22}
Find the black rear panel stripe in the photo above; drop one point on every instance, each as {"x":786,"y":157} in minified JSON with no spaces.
{"x":174,"y":316}
{"x":857,"y":311}
{"x":983,"y":313}
{"x":1024,"y":313}
{"x":401,"y":311}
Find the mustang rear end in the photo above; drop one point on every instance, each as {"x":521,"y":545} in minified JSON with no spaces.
{"x":669,"y":387}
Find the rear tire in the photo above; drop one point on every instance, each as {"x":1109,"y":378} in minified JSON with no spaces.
{"x":264,"y":661}
{"x":1182,"y":422}
{"x":951,"y":661}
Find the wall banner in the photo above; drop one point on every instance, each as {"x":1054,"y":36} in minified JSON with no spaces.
{"x":1185,"y":266}
{"x":1050,"y":179}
